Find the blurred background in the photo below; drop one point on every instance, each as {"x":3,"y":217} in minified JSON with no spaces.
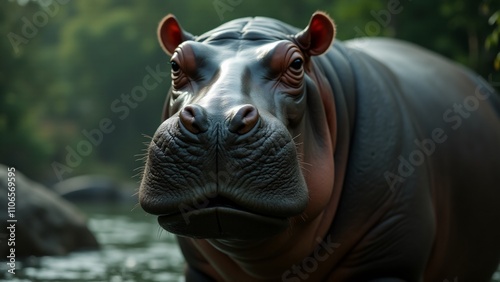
{"x":73,"y":101}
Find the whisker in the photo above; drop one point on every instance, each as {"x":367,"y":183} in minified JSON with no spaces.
{"x":303,"y":217}
{"x":304,"y":163}
{"x":139,"y":168}
{"x":146,"y":136}
{"x":138,"y":176}
{"x":160,"y":230}
{"x":138,"y":172}
{"x":136,"y":205}
{"x":305,"y":169}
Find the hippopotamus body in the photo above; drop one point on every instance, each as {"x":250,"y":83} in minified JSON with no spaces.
{"x":284,"y":157}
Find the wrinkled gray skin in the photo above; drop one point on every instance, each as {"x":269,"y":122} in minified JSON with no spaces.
{"x":385,"y":149}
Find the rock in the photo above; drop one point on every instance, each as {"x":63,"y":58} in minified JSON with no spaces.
{"x":47,"y":225}
{"x":95,"y":188}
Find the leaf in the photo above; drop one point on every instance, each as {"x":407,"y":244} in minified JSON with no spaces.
{"x":494,"y":38}
{"x":494,"y":18}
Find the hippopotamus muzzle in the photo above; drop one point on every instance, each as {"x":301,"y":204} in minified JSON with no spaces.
{"x":206,"y":170}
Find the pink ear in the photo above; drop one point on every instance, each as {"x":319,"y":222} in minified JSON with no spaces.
{"x":318,"y":36}
{"x":171,"y":34}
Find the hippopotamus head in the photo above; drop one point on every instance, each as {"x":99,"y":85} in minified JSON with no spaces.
{"x":246,"y":144}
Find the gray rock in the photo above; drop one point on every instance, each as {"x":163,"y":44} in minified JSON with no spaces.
{"x":46,"y":223}
{"x":95,"y":189}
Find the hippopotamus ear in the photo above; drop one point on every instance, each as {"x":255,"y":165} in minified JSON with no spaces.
{"x":171,"y":34}
{"x":318,"y":36}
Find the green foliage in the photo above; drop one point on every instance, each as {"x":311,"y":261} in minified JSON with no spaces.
{"x":19,"y":85}
{"x":492,"y":39}
{"x":84,"y":55}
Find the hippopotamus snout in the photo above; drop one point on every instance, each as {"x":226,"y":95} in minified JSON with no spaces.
{"x":209,"y":165}
{"x":240,"y":120}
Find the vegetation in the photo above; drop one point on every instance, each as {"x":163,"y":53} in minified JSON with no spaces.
{"x":71,"y":72}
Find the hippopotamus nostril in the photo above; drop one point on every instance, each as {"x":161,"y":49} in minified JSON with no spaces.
{"x":194,"y":119}
{"x":245,"y":118}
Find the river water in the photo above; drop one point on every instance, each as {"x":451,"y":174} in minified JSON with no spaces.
{"x":134,"y":248}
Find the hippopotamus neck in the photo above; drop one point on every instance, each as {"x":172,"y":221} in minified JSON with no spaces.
{"x":251,"y":260}
{"x":338,"y":92}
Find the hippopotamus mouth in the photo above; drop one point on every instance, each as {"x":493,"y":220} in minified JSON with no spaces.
{"x":225,"y":214}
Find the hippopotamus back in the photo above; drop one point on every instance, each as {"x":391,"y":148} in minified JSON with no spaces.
{"x":423,"y":162}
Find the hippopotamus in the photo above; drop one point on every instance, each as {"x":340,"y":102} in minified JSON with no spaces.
{"x":284,"y":155}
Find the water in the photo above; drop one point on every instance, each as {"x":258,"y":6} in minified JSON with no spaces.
{"x":134,"y":248}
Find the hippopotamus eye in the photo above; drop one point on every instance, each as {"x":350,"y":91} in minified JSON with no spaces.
{"x":297,"y":64}
{"x":175,"y":66}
